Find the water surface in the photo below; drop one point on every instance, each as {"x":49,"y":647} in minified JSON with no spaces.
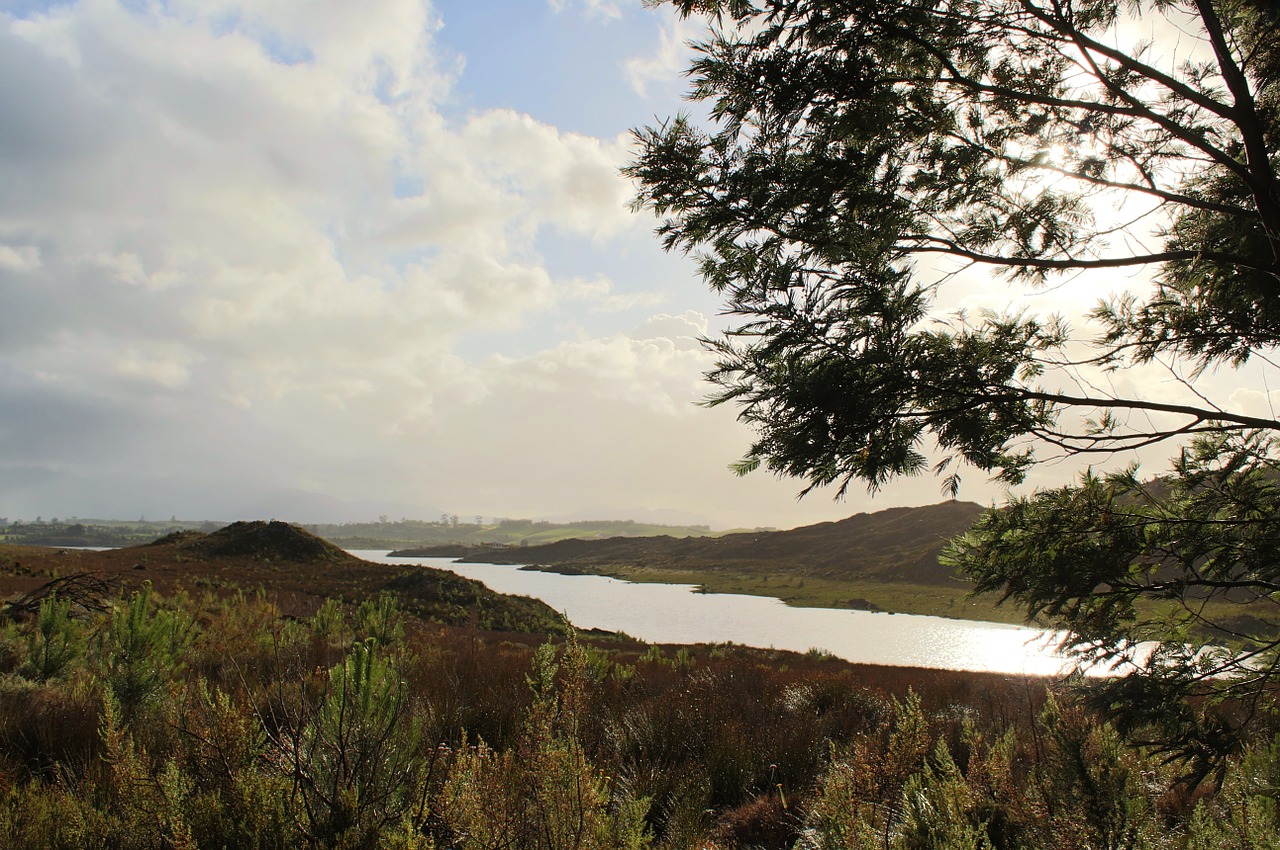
{"x":671,"y":613}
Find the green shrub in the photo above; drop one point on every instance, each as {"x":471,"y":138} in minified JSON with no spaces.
{"x":353,"y":764}
{"x":54,"y":642}
{"x":1094,"y":788}
{"x":1246,"y":815}
{"x":50,"y":816}
{"x":235,"y":799}
{"x":381,"y":619}
{"x":143,"y":647}
{"x":329,"y":624}
{"x":937,"y":810}
{"x":545,"y":794}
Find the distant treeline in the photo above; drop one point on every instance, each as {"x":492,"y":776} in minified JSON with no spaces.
{"x":95,"y":532}
{"x":383,"y":534}
{"x":509,"y":532}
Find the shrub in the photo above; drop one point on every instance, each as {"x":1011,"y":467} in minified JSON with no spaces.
{"x":381,"y":619}
{"x":143,"y":648}
{"x":54,"y":642}
{"x":1246,"y":815}
{"x":353,"y":764}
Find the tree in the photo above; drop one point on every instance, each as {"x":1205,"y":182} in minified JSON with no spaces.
{"x":355,"y":762}
{"x":863,"y":155}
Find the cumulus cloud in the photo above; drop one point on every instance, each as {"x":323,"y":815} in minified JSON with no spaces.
{"x":569,"y":179}
{"x":245,"y":249}
{"x":24,"y":258}
{"x":249,"y":250}
{"x":656,"y":367}
{"x":207,"y":208}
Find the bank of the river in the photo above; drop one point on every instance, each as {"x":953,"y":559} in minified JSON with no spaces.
{"x":676,"y":614}
{"x":881,"y":561}
{"x":818,"y":592}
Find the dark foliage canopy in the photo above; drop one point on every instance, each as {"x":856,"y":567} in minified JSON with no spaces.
{"x":861,"y":154}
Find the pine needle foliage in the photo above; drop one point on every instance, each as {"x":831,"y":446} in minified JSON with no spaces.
{"x":860,"y":157}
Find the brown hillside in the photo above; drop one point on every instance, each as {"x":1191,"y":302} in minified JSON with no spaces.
{"x":297,"y":568}
{"x":900,"y":544}
{"x":274,"y":540}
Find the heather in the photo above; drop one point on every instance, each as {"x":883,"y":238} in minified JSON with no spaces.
{"x":207,"y":719}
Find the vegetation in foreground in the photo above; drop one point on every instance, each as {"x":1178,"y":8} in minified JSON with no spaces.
{"x":215,"y":720}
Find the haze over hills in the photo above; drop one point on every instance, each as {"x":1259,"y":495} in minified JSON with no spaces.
{"x":384,"y":533}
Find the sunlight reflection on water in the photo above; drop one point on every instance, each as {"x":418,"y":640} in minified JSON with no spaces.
{"x":667,"y":613}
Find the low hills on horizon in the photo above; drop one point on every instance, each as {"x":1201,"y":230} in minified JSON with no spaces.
{"x":382,"y":534}
{"x":885,"y":560}
{"x":459,"y":534}
{"x":896,"y":545}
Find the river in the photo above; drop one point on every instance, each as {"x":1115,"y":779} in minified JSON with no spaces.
{"x":670,"y":613}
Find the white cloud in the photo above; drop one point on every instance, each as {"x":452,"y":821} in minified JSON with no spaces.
{"x":665,"y":64}
{"x":591,"y":8}
{"x":253,"y":247}
{"x":207,"y":200}
{"x":683,"y":330}
{"x":260,"y":195}
{"x":657,"y":367}
{"x":571,"y":181}
{"x":1257,"y":401}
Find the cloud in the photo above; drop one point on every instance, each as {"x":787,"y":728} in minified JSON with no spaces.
{"x":24,"y":258}
{"x":207,"y":220}
{"x":252,"y":251}
{"x":571,"y":180}
{"x":665,"y":64}
{"x":656,"y":367}
{"x":592,"y":8}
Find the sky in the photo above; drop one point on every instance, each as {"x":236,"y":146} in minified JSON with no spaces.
{"x":317,"y":260}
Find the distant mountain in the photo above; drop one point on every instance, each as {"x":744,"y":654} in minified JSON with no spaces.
{"x":898,"y":544}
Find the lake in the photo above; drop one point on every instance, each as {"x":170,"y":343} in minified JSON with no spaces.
{"x":670,"y":613}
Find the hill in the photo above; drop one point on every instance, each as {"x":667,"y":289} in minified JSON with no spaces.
{"x":881,"y":561}
{"x":898,"y":544}
{"x":297,"y":568}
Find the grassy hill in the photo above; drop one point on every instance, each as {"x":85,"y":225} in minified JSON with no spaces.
{"x":297,"y":568}
{"x":894,"y":544}
{"x":886,"y":560}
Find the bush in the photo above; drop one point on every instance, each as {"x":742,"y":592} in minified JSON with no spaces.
{"x":143,"y":648}
{"x":54,"y":642}
{"x":354,"y":762}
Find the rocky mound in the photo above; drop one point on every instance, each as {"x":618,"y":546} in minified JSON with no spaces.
{"x":262,"y":540}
